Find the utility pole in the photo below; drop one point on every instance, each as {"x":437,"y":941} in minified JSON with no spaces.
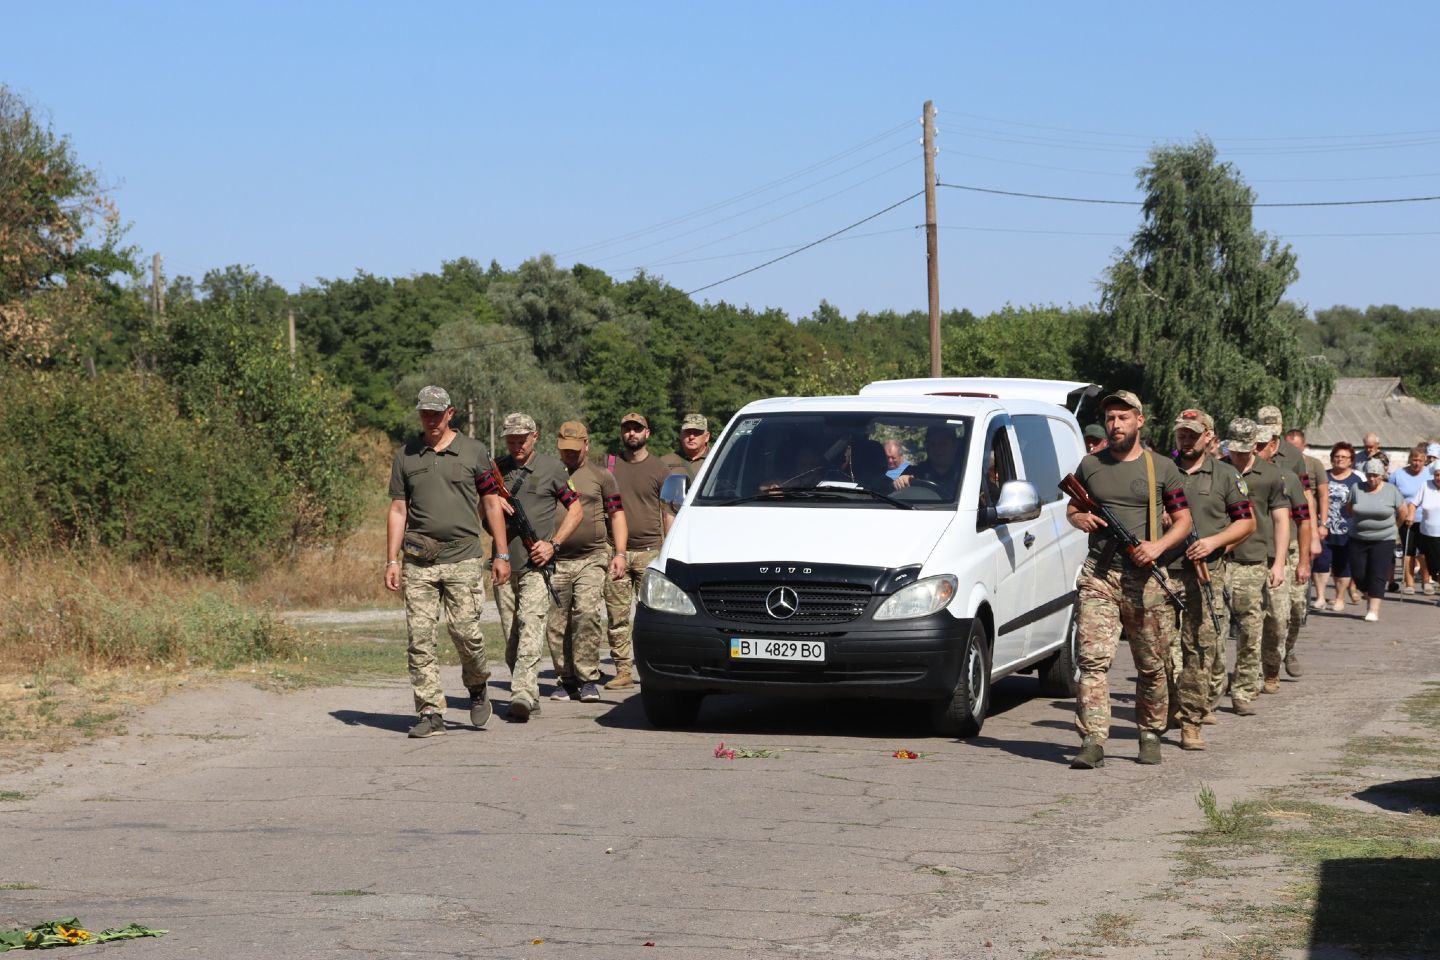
{"x":470,"y":417}
{"x":157,"y":289}
{"x":492,"y":431}
{"x":932,"y":240}
{"x":291,"y":314}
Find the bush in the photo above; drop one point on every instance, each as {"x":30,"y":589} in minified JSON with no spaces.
{"x":109,"y":463}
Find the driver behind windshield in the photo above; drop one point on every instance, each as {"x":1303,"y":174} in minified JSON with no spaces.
{"x":941,"y":466}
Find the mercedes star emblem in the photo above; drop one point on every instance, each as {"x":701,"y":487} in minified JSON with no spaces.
{"x":782,"y":603}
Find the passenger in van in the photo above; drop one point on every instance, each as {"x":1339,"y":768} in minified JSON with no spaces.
{"x":942,"y":465}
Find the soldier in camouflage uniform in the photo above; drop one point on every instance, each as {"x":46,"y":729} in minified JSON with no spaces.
{"x":541,"y":485}
{"x":437,"y":481}
{"x":582,"y":566}
{"x":1116,"y":589}
{"x":1220,"y":509}
{"x":1285,"y":604}
{"x":1252,"y":566}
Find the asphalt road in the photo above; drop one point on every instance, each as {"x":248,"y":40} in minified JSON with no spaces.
{"x":307,"y":825}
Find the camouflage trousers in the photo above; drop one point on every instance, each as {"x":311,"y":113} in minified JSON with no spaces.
{"x":1122,"y":598}
{"x":524,"y":605}
{"x":457,"y":587}
{"x":573,"y":630}
{"x":619,"y":600}
{"x":1197,"y":645}
{"x":1246,"y":582}
{"x":1282,"y":617}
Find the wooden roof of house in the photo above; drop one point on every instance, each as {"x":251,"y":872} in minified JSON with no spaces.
{"x":1361,"y":405}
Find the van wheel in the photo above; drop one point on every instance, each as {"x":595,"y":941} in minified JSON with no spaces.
{"x":1060,"y":673}
{"x":667,"y":709}
{"x":962,"y":714}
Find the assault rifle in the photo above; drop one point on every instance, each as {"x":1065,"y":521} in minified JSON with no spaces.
{"x":1075,"y":490}
{"x":526,"y":529}
{"x":1202,"y":573}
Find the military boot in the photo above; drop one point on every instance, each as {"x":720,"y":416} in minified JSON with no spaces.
{"x":1209,"y":719}
{"x":1271,"y":685}
{"x":1091,"y":755}
{"x":1149,"y":747}
{"x":624,"y":678}
{"x":1190,"y":738}
{"x":1292,"y":664}
{"x":1242,"y":708}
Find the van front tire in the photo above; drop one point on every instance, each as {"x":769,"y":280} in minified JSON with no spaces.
{"x":1060,"y":672}
{"x":668,"y":709}
{"x":962,"y":714}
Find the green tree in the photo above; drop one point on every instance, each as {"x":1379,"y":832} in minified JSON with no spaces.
{"x":1038,"y":342}
{"x":556,"y":307}
{"x":1189,"y":314}
{"x":60,"y":241}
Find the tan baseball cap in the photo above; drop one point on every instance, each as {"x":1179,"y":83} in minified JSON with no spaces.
{"x":695,"y":421}
{"x":573,"y":435}
{"x":517,"y":423}
{"x":1126,"y":397}
{"x":1196,"y":420}
{"x":1271,"y":416}
{"x":635,"y":416}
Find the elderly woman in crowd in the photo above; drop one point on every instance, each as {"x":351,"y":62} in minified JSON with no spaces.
{"x":1425,"y":517}
{"x":1334,"y":557}
{"x":1376,"y":511}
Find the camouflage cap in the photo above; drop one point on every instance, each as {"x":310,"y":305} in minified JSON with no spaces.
{"x":635,"y":416}
{"x":1196,"y":420}
{"x":1271,"y":416}
{"x":432,"y":398}
{"x":1095,"y":432}
{"x":1264,"y":433}
{"x":572,"y":435}
{"x":1123,"y":396}
{"x":1240,"y":437}
{"x":695,"y":421}
{"x":517,"y":423}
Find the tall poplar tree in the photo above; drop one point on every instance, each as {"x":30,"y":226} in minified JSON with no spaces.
{"x":1191,"y":314}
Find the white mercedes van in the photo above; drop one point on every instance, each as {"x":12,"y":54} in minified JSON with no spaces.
{"x":798,"y":566}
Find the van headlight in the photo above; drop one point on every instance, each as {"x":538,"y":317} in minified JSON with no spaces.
{"x":920,"y":599}
{"x":661,"y":595}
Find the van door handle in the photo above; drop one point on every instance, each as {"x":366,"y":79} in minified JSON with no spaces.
{"x":1029,"y":540}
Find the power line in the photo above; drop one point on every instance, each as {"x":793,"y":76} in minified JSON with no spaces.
{"x":1130,"y":174}
{"x":1139,"y":136}
{"x":673,"y":221}
{"x":1004,"y":136}
{"x":813,"y":243}
{"x":751,"y":253}
{"x":1139,"y":203}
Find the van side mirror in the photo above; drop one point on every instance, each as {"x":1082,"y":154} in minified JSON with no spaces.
{"x":672,"y":491}
{"x":1018,"y":500}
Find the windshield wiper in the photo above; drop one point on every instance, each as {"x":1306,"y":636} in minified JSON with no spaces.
{"x":825,"y":491}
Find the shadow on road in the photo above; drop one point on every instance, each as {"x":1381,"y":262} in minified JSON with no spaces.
{"x":393,"y":722}
{"x":1382,"y":905}
{"x":1405,"y":796}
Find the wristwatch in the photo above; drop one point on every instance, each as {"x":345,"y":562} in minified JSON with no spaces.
{"x":502,"y":556}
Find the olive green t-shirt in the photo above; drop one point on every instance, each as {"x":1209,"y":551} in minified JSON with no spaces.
{"x":600,"y":497}
{"x":1267,"y":493}
{"x":678,"y":464}
{"x":1121,"y":486}
{"x":639,"y":485}
{"x":1288,"y":455}
{"x":440,"y":493}
{"x":542,"y":487}
{"x":1216,"y":499}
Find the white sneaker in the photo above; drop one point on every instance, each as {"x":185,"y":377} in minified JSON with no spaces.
{"x":1372,"y":617}
{"x":1408,"y":590}
{"x":1430,"y":588}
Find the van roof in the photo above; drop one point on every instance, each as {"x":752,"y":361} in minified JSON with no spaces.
{"x":940,"y":405}
{"x":1065,"y":393}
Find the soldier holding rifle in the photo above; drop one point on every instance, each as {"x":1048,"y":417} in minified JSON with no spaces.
{"x":1122,"y":587}
{"x":538,"y":488}
{"x":1222,"y":516}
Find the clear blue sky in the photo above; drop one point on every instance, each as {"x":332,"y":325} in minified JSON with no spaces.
{"x":312,"y":140}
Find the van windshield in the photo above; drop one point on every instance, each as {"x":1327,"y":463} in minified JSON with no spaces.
{"x":865,"y":460}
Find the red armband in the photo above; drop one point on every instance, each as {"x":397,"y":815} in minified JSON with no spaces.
{"x":1241,"y":510}
{"x":566,"y":496}
{"x":612,"y":504}
{"x":1175,"y":501}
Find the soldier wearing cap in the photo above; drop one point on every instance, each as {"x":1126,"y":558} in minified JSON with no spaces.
{"x":1253,"y":567}
{"x":639,"y":475}
{"x":582,"y":565}
{"x":1223,"y":517}
{"x":1118,"y":592}
{"x":1094,"y":438}
{"x":1285,"y":604}
{"x":694,"y":446}
{"x":432,"y":549}
{"x":542,"y":486}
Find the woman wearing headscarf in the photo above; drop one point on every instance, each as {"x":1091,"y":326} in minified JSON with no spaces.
{"x":1376,"y":511}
